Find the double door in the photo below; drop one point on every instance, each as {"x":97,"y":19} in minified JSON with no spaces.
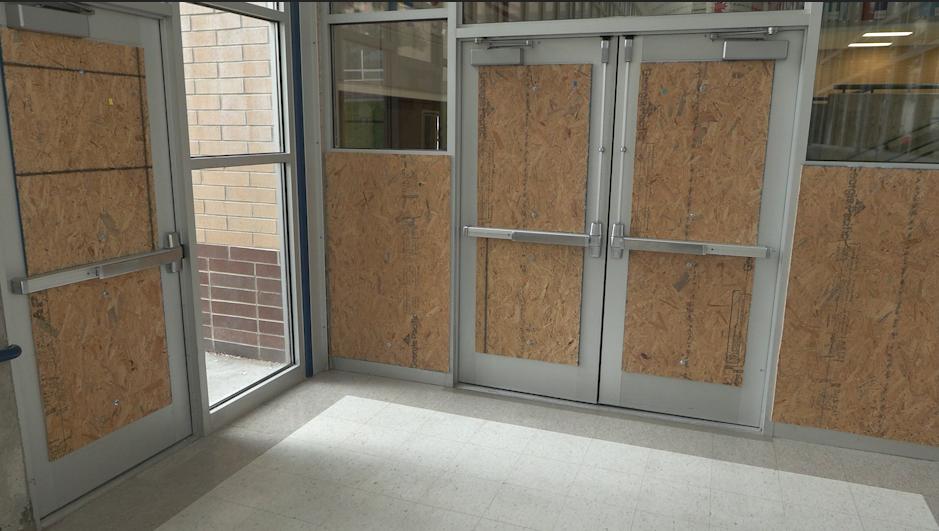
{"x":622,"y":201}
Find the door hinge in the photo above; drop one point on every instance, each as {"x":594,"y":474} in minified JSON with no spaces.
{"x":605,"y":50}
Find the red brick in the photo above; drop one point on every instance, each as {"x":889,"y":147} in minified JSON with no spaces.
{"x":204,"y":279}
{"x":235,"y":323}
{"x":211,"y":251}
{"x":236,"y":336}
{"x":230,"y":308}
{"x":204,"y":291}
{"x":205,"y":305}
{"x":267,"y":271}
{"x":270,"y":314}
{"x":202,"y":264}
{"x":231,"y":266}
{"x":271,"y":327}
{"x":232,"y":281}
{"x":268,"y":285}
{"x":270,"y":299}
{"x":254,"y":255}
{"x":271,"y":341}
{"x":234,"y":295}
{"x":206,"y":332}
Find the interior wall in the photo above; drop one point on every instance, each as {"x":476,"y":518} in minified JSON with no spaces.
{"x":15,"y":509}
{"x":861,"y":327}
{"x":388,"y":258}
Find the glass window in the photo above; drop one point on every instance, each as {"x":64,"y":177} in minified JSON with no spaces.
{"x":390,"y":85}
{"x":371,"y":7}
{"x":243,"y":281}
{"x":877,"y":83}
{"x":231,"y":82}
{"x":481,"y":12}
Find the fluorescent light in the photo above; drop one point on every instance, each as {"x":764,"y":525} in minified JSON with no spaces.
{"x":888,"y":34}
{"x":869,"y":44}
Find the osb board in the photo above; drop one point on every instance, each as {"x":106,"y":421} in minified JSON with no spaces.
{"x":700,"y":150}
{"x":862,"y":319}
{"x":532,"y":174}
{"x":71,"y":219}
{"x":79,"y":124}
{"x":67,"y":120}
{"x":687,"y":316}
{"x":528,"y":301}
{"x":102,"y":358}
{"x":388,"y":258}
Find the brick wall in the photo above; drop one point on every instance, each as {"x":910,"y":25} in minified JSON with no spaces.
{"x":242,"y":302}
{"x":231,"y":110}
{"x":230,"y":103}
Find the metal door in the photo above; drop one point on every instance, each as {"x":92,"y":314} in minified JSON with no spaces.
{"x":90,"y":259}
{"x":535,"y":168}
{"x":700,"y":167}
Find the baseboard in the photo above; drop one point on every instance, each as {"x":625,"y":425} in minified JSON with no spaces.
{"x":855,"y":442}
{"x":391,"y":371}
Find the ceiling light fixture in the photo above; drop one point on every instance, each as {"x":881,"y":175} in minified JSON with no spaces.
{"x":869,"y":44}
{"x":888,"y":34}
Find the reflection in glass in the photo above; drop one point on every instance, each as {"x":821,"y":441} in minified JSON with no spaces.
{"x":370,"y":7}
{"x":877,"y":83}
{"x":390,"y":85}
{"x":482,"y":12}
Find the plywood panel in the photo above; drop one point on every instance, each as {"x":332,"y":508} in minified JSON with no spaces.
{"x":80,"y":141}
{"x":687,"y":316}
{"x":700,"y":153}
{"x":102,"y":358}
{"x":531,"y":173}
{"x":78,"y":218}
{"x":700,"y":150}
{"x":388,"y":256}
{"x":67,"y":120}
{"x":859,"y":344}
{"x":66,"y":53}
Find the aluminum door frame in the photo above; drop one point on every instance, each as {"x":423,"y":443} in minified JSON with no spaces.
{"x":578,"y":382}
{"x":713,"y":402}
{"x":55,"y":484}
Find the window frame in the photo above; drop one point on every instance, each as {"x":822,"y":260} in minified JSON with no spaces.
{"x":328,"y":102}
{"x":217,"y":415}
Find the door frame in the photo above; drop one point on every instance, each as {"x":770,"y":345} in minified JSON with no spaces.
{"x":743,"y":405}
{"x":29,"y":410}
{"x":807,"y":20}
{"x":573,"y":382}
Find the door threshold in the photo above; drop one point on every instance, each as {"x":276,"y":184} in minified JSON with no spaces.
{"x":632,"y":414}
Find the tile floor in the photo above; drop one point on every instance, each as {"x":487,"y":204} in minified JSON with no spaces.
{"x":346,"y":451}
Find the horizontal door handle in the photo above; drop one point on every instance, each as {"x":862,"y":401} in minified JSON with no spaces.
{"x":170,"y":256}
{"x":689,"y":247}
{"x":10,"y":353}
{"x":571,"y":239}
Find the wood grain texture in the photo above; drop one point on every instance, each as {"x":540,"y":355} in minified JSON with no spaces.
{"x":687,"y":316}
{"x":532,"y":174}
{"x":700,"y":150}
{"x":388,"y":258}
{"x":102,"y":358}
{"x":63,"y":52}
{"x":69,"y":121}
{"x":80,"y":141}
{"x":858,"y":352}
{"x":71,"y":219}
